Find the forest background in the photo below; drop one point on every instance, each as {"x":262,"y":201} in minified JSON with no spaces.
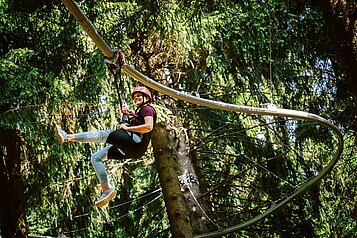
{"x":299,"y":55}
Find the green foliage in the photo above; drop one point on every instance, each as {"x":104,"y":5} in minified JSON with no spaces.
{"x":257,"y":53}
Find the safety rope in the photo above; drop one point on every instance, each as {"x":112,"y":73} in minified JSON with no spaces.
{"x":115,"y":65}
{"x":108,"y":52}
{"x":129,"y":213}
{"x":202,"y":210}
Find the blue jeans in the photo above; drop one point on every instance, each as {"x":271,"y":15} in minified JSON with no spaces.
{"x":98,"y":157}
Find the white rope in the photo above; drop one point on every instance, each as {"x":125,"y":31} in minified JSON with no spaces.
{"x":109,"y":53}
{"x":199,"y":205}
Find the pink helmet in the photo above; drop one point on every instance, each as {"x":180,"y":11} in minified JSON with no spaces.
{"x":143,"y":90}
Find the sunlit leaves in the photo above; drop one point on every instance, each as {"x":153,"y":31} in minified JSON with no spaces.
{"x":254,"y":53}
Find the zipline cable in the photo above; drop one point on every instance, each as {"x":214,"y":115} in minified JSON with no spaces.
{"x":110,"y":54}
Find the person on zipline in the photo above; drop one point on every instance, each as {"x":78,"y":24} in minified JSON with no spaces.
{"x":130,"y":141}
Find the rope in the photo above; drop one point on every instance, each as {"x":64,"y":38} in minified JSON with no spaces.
{"x":89,"y":28}
{"x":115,"y":206}
{"x":121,"y":217}
{"x":114,"y":67}
{"x":199,"y":205}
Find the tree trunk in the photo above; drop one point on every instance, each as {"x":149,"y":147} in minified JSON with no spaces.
{"x":12,"y":201}
{"x":202,"y":182}
{"x":166,"y":165}
{"x":341,"y":22}
{"x":190,"y":183}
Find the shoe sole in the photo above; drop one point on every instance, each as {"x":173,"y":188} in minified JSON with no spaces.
{"x":106,"y":200}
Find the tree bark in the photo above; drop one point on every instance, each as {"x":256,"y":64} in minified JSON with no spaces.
{"x":190,"y":183}
{"x":167,"y":168}
{"x":341,"y":21}
{"x":12,"y":201}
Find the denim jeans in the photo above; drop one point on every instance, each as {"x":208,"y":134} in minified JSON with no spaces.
{"x":98,"y":157}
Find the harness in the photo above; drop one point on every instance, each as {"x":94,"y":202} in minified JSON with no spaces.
{"x":124,"y":145}
{"x":129,"y":150}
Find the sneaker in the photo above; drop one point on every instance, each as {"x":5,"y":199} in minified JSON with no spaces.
{"x":61,"y":135}
{"x":106,"y":196}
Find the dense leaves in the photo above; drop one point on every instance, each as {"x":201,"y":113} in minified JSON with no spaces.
{"x":256,"y":53}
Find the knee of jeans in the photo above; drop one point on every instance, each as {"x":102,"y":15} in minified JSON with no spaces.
{"x":95,"y":159}
{"x":105,"y":134}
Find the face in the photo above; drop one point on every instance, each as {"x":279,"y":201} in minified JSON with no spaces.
{"x":138,"y":99}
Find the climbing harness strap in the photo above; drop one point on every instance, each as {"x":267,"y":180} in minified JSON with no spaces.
{"x":108,"y":52}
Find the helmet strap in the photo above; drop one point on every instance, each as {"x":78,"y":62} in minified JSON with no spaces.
{"x":143,"y":103}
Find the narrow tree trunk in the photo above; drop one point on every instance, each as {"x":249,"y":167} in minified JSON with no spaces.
{"x":202,"y":182}
{"x":166,"y":165}
{"x":12,"y":201}
{"x":190,"y":183}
